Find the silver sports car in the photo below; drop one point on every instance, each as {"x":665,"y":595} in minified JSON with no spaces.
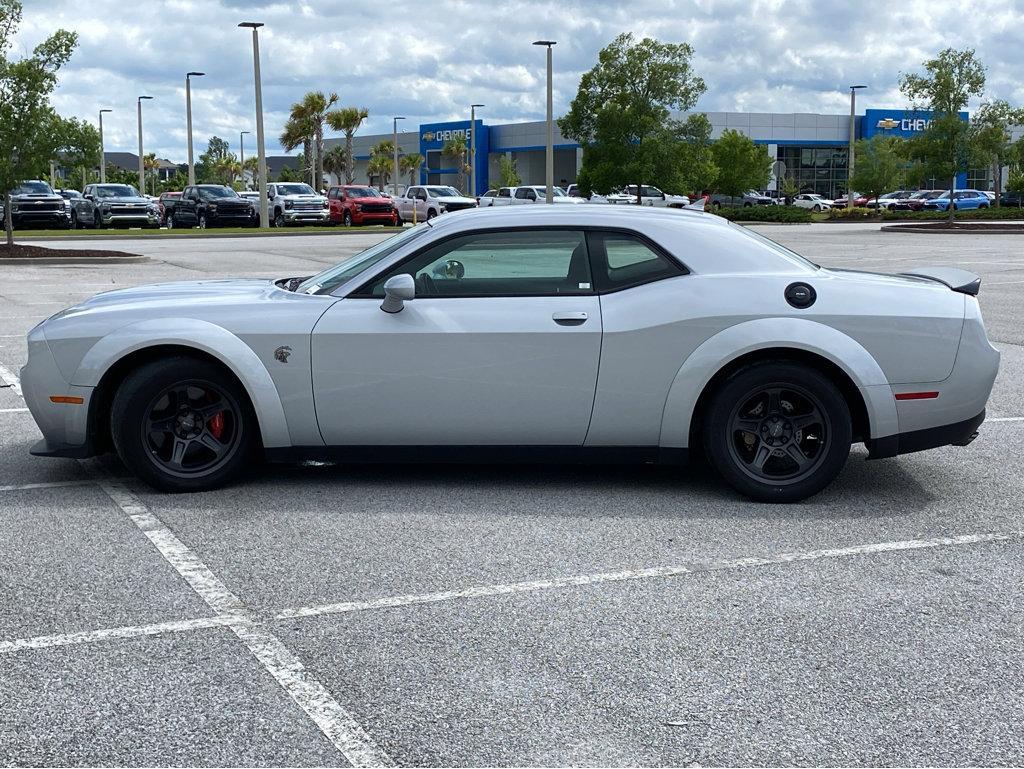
{"x":556,"y":332}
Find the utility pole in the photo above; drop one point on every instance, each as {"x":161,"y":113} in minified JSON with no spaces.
{"x":549,"y":159}
{"x":260,"y":146}
{"x":103,"y":153}
{"x":472,"y":148}
{"x":241,"y":151}
{"x":394,"y":138}
{"x":853,"y":134}
{"x":142,"y":163}
{"x":188,"y":121}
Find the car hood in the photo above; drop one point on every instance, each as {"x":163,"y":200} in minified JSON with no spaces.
{"x":370,"y":201}
{"x":454,"y":199}
{"x":304,"y":198}
{"x":128,"y":199}
{"x":40,"y":197}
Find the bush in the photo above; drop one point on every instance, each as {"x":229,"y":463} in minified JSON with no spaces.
{"x":786,"y":214}
{"x":852,"y":213}
{"x":1005,"y":212}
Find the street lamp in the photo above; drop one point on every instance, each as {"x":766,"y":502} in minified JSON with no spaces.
{"x":142,"y":165}
{"x":241,"y":150}
{"x":849,"y":162}
{"x":188,"y":113}
{"x":260,"y":147}
{"x":472,"y":148}
{"x":549,"y":159}
{"x":103,"y":154}
{"x":394,"y":129}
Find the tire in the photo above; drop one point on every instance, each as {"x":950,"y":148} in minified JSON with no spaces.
{"x":143,"y":402}
{"x":202,"y":221}
{"x":954,"y":207}
{"x":279,"y":219}
{"x":75,"y":224}
{"x":748,"y":205}
{"x":399,"y":222}
{"x":817,"y":208}
{"x":718,"y":205}
{"x":346,"y":219}
{"x":801,"y":394}
{"x":431,"y":213}
{"x":170,"y":221}
{"x":983,"y":205}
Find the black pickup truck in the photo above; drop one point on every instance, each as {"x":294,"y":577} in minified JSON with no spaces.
{"x":210,"y":205}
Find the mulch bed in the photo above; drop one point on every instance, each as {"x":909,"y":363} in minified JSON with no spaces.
{"x":975,"y":227}
{"x":35,"y":252}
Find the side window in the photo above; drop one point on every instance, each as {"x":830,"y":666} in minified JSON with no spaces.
{"x":271,"y":191}
{"x":504,"y":192}
{"x":651,"y":192}
{"x":622,"y":260}
{"x":509,"y":263}
{"x":521,"y":193}
{"x":332,"y":193}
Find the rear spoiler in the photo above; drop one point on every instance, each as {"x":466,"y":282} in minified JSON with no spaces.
{"x":959,"y":280}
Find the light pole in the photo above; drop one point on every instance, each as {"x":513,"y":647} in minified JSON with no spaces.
{"x":103,"y":154}
{"x":241,"y":150}
{"x":260,"y":147}
{"x":188,"y":120}
{"x":849,"y":162}
{"x":472,"y":148}
{"x":549,"y":159}
{"x":142,"y":165}
{"x":394,"y":129}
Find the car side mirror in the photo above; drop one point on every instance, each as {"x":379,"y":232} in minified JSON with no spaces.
{"x":398,"y":289}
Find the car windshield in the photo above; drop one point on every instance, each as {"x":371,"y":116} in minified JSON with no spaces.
{"x":116,"y":191}
{"x":71,"y":194}
{"x":32,"y":188}
{"x":294,"y":189}
{"x":328,"y":280}
{"x":443,"y":192}
{"x":214,"y":193}
{"x":361,"y":192}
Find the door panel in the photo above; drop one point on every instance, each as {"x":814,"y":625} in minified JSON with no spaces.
{"x":457,"y":371}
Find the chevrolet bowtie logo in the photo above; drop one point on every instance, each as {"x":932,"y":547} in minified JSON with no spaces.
{"x":888,"y":122}
{"x":428,"y":136}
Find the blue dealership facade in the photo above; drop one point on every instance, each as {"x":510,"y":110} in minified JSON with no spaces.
{"x":813,"y":147}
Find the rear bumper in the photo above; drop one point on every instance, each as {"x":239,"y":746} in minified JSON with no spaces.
{"x":956,"y":434}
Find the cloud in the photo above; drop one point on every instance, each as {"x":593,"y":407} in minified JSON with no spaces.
{"x":429,"y":61}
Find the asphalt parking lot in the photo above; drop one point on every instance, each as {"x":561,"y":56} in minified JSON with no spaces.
{"x":495,"y":615}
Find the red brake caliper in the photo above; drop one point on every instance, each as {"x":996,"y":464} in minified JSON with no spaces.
{"x":217,"y":425}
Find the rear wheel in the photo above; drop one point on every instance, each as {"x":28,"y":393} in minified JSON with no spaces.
{"x":778,"y":432}
{"x":183,"y":424}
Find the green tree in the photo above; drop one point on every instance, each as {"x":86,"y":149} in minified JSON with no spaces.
{"x":298,"y":130}
{"x":456,"y":149}
{"x":116,"y":175}
{"x":508,"y":174}
{"x":348,"y":120}
{"x":789,"y":188}
{"x":79,"y":150}
{"x":880,"y":167}
{"x":206,"y":167}
{"x":945,"y":147}
{"x":991,"y":126}
{"x":382,"y":161}
{"x":742,"y":164}
{"x":410,"y":164}
{"x":29,"y":127}
{"x":335,"y":162}
{"x":623,"y":104}
{"x":307,"y":120}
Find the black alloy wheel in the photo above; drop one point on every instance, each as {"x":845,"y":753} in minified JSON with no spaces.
{"x":778,"y":431}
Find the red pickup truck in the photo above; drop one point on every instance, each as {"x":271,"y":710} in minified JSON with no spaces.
{"x":355,"y":204}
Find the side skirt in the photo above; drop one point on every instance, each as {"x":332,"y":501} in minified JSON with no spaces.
{"x":482,"y":454}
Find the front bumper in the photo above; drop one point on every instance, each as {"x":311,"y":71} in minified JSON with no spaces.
{"x":65,"y":426}
{"x":323,"y":215}
{"x":374,"y":218}
{"x":40,"y":217}
{"x":142,"y":219}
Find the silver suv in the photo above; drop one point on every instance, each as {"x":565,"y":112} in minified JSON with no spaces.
{"x":296,"y":203}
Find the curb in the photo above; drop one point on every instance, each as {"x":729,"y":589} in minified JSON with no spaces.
{"x":75,"y":260}
{"x":205,"y":236}
{"x":983,"y":229}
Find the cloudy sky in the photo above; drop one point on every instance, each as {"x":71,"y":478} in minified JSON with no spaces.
{"x":430,"y":59}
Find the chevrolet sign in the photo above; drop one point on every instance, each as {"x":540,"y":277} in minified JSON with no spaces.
{"x":887,"y":123}
{"x":906,"y":124}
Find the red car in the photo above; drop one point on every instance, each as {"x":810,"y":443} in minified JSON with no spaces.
{"x":354,"y":204}
{"x":859,"y":201}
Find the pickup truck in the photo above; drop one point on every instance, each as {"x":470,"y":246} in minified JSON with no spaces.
{"x":122,"y":204}
{"x":35,"y":202}
{"x":296,"y":203}
{"x":426,"y":201}
{"x":536,"y":193}
{"x":356,"y":204}
{"x":209,"y":205}
{"x":746,"y":200}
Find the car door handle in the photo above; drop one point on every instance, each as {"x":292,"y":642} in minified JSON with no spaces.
{"x":569,"y":318}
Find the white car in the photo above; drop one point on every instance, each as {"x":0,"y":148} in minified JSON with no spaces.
{"x":550,"y":332}
{"x":812,"y":201}
{"x":424,"y":202}
{"x":536,"y":193}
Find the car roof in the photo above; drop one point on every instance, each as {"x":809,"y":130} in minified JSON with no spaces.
{"x":573,"y":216}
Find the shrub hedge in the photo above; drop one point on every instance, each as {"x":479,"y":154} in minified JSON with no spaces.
{"x":984,"y":214}
{"x":786,"y":214}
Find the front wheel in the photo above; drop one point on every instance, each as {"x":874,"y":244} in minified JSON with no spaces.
{"x":347,"y":219}
{"x":279,"y":219}
{"x":778,"y":432}
{"x":817,"y":209}
{"x":202,"y":221}
{"x":183,"y":424}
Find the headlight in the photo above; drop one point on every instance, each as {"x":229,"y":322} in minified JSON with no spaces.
{"x":212,"y":208}
{"x":442,"y":206}
{"x":287,"y":204}
{"x":357,"y":206}
{"x":14,"y":208}
{"x":154,"y":209}
{"x":326,"y":204}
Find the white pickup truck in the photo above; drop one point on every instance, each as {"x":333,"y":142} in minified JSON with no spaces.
{"x":429,"y":200}
{"x":513,"y":196}
{"x":649,"y":196}
{"x":296,"y":203}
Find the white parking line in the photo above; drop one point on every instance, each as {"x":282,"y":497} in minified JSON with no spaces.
{"x":656,"y":572}
{"x":111,"y":634}
{"x":11,"y":379}
{"x":334,"y":721}
{"x":1005,"y":419}
{"x":48,"y":485}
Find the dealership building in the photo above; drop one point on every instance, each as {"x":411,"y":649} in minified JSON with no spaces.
{"x":813,"y":148}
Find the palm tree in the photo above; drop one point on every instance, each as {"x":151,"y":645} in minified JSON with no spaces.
{"x":298,"y":130}
{"x":309,"y":116}
{"x":150,"y":165}
{"x":410,"y":164}
{"x":348,"y":120}
{"x":334,"y":161}
{"x":226,"y":169}
{"x":252,"y":165}
{"x":382,"y":161}
{"x":456,"y":149}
